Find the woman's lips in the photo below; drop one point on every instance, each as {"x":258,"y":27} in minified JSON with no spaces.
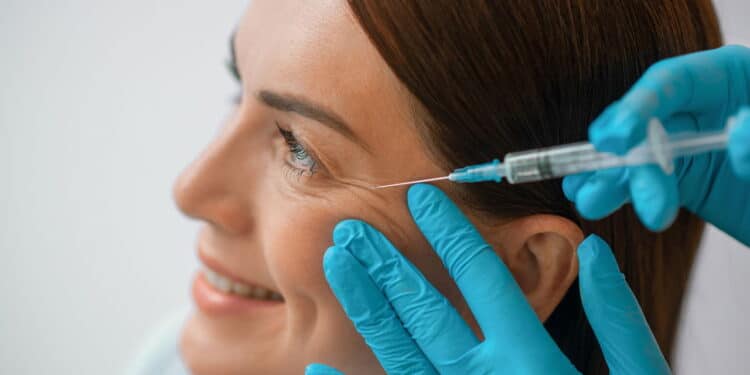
{"x":216,"y":291}
{"x":242,"y":289}
{"x":213,"y":301}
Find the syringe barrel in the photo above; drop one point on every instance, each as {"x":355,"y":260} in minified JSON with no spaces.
{"x":658,"y":148}
{"x":558,"y":161}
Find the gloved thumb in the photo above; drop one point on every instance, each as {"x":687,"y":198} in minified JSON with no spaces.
{"x":626,"y":341}
{"x":321,"y":369}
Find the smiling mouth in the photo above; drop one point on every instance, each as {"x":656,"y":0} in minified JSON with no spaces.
{"x":226,"y":285}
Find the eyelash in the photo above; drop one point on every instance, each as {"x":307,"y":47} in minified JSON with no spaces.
{"x":236,"y":99}
{"x":298,"y":154}
{"x":231,"y":65}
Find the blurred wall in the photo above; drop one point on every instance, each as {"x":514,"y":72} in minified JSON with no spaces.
{"x":101,"y":105}
{"x":714,"y":329}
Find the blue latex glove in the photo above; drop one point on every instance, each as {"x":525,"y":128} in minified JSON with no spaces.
{"x":413,"y":329}
{"x":696,"y":92}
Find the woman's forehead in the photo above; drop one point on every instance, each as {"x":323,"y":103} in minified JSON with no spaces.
{"x":316,"y":49}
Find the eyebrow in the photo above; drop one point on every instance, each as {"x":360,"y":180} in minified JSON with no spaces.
{"x":306,"y":108}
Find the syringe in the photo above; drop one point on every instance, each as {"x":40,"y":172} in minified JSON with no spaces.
{"x":559,"y":161}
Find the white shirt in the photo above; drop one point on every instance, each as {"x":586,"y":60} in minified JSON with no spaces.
{"x":160,"y":353}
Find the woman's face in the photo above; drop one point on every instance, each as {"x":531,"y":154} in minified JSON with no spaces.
{"x":321,"y":120}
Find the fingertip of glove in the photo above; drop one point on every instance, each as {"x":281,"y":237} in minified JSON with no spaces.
{"x":655,"y":196}
{"x":658,"y":220}
{"x":588,"y":250}
{"x":419,"y":194}
{"x":346,"y":230}
{"x":334,"y":259}
{"x":623,"y":130}
{"x":595,"y":254}
{"x":599,"y":126}
{"x":593,"y":202}
{"x":345,"y":276}
{"x":427,"y":201}
{"x":572,"y":184}
{"x":586,"y":202}
{"x":321,"y":369}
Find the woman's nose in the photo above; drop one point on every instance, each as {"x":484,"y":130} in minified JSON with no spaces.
{"x":216,"y":187}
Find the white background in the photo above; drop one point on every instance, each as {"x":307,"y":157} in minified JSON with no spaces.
{"x":101,"y":105}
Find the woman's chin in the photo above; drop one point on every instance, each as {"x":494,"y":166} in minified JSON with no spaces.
{"x":213,"y":346}
{"x":210,"y":347}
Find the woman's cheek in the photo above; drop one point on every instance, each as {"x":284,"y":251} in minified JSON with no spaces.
{"x":296,"y":220}
{"x":295,"y":234}
{"x":297,"y":228}
{"x":299,"y":233}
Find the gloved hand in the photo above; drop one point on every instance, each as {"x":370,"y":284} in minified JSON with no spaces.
{"x":379,"y":289}
{"x":695,"y":92}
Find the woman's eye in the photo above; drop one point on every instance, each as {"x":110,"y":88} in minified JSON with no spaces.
{"x":299,"y":158}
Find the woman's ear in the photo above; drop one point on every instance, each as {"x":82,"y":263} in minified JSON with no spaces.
{"x":540,"y":251}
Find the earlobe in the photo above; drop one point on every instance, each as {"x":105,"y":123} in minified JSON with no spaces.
{"x":540,"y":251}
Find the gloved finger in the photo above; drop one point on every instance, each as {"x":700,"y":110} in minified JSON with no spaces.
{"x":602,"y":193}
{"x":688,"y":183}
{"x":434,"y":324}
{"x":321,"y":369}
{"x":627,"y":343}
{"x":692,"y":82}
{"x":571,"y":184}
{"x":738,"y":148}
{"x":681,"y":122}
{"x":606,"y":116}
{"x":489,"y":288}
{"x":608,"y":191}
{"x":655,"y":196}
{"x":372,"y":315}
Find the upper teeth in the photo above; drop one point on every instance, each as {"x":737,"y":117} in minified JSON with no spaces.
{"x":227,"y":285}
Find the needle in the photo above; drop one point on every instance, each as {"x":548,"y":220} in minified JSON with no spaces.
{"x":412,"y":182}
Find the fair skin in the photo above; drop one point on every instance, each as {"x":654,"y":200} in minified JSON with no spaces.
{"x":270,"y":198}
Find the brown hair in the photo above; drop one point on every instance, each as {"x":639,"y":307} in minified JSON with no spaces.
{"x":491,"y":77}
